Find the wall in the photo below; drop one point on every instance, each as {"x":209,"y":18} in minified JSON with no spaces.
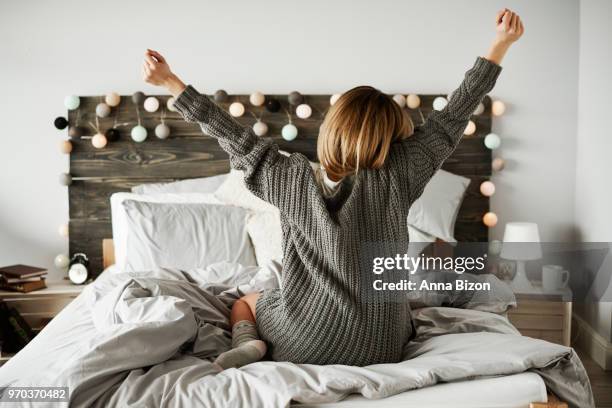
{"x":61,"y":47}
{"x":593,"y":147}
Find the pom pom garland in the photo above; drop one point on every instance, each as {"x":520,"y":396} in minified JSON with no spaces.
{"x":439,"y":103}
{"x":334,"y":98}
{"x":236,"y":109}
{"x":495,"y":247}
{"x":63,"y":230}
{"x":400,"y":100}
{"x":260,"y":128}
{"x":170,"y":104}
{"x":487,"y":188}
{"x":75,"y":132}
{"x":151,"y":104}
{"x":112,"y":135}
{"x":72,"y":102}
{"x":162,"y":131}
{"x":498,"y":108}
{"x":138,"y":98}
{"x":492,"y":141}
{"x":490,"y":219}
{"x":99,"y":141}
{"x":220,"y":96}
{"x":257,"y":99}
{"x":138,"y":133}
{"x":65,"y":179}
{"x":61,"y":261}
{"x":289,"y":132}
{"x":413,"y":101}
{"x":102,"y":110}
{"x":498,"y":164}
{"x":470,"y":129}
{"x":65,"y":146}
{"x":273,"y":105}
{"x":303,"y":111}
{"x":112,"y":99}
{"x":60,"y":122}
{"x":295,"y":98}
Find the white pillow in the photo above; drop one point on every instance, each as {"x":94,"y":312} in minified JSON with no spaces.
{"x":198,"y":185}
{"x":185,"y":236}
{"x":265,"y":231}
{"x":119,"y":221}
{"x":233,"y":191}
{"x":263,"y":225}
{"x":436,"y":210}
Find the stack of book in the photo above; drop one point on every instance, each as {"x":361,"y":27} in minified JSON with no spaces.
{"x":22,"y":278}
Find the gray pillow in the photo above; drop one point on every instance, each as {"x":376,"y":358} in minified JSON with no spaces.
{"x":185,"y":236}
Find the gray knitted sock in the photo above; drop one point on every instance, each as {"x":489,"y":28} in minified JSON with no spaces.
{"x":247,"y":348}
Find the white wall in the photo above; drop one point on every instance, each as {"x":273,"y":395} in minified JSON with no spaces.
{"x":50,"y":49}
{"x":593,"y":147}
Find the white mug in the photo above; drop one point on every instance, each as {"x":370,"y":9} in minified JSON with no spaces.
{"x":554,"y":278}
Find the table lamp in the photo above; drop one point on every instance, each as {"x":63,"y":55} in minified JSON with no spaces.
{"x":521,"y":244}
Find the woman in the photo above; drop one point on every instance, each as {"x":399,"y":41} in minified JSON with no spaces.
{"x":374,"y":166}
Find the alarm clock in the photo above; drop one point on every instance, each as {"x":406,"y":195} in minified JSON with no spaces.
{"x":78,"y":272}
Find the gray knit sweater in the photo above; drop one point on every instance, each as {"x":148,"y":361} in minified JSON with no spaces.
{"x":319,"y":316}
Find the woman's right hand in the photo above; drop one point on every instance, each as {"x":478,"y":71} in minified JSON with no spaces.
{"x":156,"y":71}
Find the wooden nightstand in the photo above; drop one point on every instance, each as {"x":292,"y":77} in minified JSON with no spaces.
{"x":546,"y":316}
{"x":40,"y":306}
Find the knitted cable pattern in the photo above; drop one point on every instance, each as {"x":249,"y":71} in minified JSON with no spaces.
{"x":319,"y":315}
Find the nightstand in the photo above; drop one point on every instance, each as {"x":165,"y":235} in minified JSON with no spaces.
{"x":546,"y":316}
{"x":40,"y":306}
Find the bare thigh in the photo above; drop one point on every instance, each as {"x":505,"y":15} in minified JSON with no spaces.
{"x":244,"y":308}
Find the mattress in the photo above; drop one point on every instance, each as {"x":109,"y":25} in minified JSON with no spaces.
{"x":512,"y":391}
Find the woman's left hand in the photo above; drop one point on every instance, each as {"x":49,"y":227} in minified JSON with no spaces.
{"x":156,"y":71}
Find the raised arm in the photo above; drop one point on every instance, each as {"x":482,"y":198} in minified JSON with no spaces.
{"x":422,"y":154}
{"x":258,"y":158}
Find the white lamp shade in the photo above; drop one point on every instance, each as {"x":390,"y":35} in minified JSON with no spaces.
{"x":521,"y":241}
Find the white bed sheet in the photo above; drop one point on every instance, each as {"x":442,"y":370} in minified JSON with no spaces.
{"x":512,"y":391}
{"x":73,"y":325}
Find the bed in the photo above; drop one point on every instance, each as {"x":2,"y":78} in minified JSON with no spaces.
{"x":143,"y":335}
{"x":118,"y":359}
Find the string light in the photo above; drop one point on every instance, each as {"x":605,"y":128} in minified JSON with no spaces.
{"x":487,"y":188}
{"x":440,"y":103}
{"x":498,"y":164}
{"x":400,"y":100}
{"x":112,"y":99}
{"x":236,"y":109}
{"x":257,"y":99}
{"x":72,"y":102}
{"x":303,"y":111}
{"x":490,"y":219}
{"x":498,"y":108}
{"x":492,"y":141}
{"x":151,"y":104}
{"x":413,"y":101}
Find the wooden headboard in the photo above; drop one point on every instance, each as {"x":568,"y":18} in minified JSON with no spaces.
{"x":122,"y":164}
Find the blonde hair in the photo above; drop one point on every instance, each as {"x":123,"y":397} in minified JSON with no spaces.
{"x":358,"y":131}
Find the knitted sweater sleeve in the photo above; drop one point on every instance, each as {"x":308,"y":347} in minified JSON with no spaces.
{"x":415,"y":159}
{"x":267,"y":173}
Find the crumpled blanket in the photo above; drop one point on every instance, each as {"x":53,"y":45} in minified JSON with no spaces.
{"x":146,"y":339}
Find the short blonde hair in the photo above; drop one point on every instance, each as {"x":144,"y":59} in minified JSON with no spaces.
{"x":358,"y":131}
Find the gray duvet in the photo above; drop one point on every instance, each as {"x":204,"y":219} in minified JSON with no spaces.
{"x":146,"y":340}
